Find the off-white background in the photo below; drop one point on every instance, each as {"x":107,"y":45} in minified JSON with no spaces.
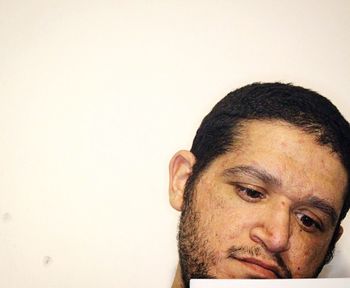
{"x":96,"y":96}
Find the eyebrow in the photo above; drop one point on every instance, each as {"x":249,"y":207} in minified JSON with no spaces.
{"x":268,"y":178}
{"x":255,"y":172}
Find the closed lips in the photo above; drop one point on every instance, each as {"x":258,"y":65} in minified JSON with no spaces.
{"x":271,"y":267}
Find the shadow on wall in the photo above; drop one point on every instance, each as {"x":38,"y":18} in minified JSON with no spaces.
{"x":341,"y":269}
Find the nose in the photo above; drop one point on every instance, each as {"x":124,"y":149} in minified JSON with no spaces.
{"x":273,"y":230}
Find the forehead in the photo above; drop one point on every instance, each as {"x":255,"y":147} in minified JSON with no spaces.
{"x":303,"y":166}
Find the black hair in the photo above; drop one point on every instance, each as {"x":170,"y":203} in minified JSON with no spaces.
{"x":303,"y":108}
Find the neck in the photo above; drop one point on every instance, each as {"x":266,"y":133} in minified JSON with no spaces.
{"x":178,"y":278}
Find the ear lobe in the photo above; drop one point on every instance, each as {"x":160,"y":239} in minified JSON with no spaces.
{"x":180,"y":168}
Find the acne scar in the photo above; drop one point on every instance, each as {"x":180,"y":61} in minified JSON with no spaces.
{"x":308,"y":253}
{"x":220,"y":203}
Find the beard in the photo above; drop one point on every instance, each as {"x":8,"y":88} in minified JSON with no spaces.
{"x":197,"y":257}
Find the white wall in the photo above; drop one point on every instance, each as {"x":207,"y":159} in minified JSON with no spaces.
{"x":95,"y":96}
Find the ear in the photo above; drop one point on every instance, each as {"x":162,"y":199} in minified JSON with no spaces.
{"x":180,"y":168}
{"x":339,"y":233}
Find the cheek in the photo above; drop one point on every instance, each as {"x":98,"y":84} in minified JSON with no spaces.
{"x":220,"y":217}
{"x":305,"y":255}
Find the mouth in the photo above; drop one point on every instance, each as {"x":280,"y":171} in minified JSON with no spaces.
{"x":261,"y":268}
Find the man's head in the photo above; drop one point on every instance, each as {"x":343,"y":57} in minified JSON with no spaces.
{"x":265,"y":186}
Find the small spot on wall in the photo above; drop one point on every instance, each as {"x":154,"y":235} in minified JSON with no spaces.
{"x":47,"y":260}
{"x":6,"y":217}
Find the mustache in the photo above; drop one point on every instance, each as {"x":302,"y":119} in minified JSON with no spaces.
{"x":239,"y":251}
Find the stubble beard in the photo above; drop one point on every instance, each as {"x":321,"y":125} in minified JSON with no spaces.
{"x":195,"y":255}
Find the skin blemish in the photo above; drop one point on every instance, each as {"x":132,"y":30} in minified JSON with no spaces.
{"x":308,"y":253}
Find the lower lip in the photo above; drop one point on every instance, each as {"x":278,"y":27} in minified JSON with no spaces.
{"x":259,"y":271}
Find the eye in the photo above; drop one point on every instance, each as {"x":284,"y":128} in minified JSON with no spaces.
{"x":309,"y":224}
{"x":249,"y":194}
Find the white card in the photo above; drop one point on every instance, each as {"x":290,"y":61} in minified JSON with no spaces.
{"x":272,"y":283}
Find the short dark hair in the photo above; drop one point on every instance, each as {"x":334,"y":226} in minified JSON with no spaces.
{"x":301,"y":107}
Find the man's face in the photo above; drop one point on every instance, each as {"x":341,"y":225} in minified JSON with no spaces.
{"x":267,"y":209}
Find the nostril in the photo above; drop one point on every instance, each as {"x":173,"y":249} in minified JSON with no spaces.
{"x":257,"y":239}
